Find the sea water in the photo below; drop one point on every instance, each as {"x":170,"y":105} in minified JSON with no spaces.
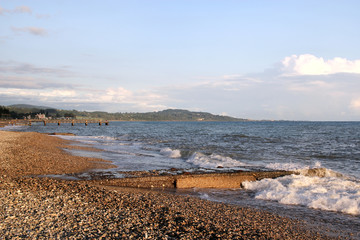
{"x":330,"y":196}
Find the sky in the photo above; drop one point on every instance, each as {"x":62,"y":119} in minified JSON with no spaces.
{"x":269,"y":59}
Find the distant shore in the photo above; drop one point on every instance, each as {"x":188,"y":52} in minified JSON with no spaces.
{"x":35,"y":207}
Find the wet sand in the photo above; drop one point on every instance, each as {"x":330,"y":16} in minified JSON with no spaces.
{"x":43,"y":208}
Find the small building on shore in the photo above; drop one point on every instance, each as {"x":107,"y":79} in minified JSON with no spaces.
{"x":40,"y":116}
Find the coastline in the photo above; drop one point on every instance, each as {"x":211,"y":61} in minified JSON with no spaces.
{"x":33,"y":207}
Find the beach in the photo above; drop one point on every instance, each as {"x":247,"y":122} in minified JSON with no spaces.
{"x":46,"y":208}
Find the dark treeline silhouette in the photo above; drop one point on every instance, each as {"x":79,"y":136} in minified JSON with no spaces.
{"x":21,"y":111}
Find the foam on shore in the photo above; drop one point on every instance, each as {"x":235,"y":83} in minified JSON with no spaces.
{"x":325,"y":190}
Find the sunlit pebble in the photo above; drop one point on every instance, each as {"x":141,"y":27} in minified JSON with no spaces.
{"x":53,"y":209}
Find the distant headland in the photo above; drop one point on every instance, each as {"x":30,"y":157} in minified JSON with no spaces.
{"x":22,"y":111}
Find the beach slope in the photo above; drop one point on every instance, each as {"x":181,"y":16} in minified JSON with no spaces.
{"x":43,"y":208}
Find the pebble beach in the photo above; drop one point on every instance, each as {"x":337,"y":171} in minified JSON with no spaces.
{"x":33,"y":207}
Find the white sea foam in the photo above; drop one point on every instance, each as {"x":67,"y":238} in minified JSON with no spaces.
{"x":291,"y":166}
{"x":105,"y":138}
{"x":213,"y":161}
{"x":311,"y":171}
{"x":82,"y":139}
{"x":14,"y":127}
{"x":171,"y":153}
{"x":319,"y":172}
{"x":326,"y":193}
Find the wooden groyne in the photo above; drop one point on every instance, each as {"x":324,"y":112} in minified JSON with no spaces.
{"x":14,"y":122}
{"x":70,"y":121}
{"x":59,"y":122}
{"x":205,"y":180}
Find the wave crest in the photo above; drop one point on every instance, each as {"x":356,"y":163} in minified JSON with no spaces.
{"x":326,"y":193}
{"x":213,"y":161}
{"x":171,"y":153}
{"x":319,"y":172}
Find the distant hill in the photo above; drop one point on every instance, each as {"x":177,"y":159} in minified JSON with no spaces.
{"x":178,"y":115}
{"x":28,"y":106}
{"x":23,"y":110}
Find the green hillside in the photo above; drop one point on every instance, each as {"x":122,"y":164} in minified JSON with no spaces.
{"x":24,"y":110}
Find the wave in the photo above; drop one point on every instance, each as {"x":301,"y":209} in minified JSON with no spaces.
{"x":105,"y":138}
{"x":168,"y":152}
{"x":14,"y":127}
{"x":292,"y":166}
{"x":81,"y":139}
{"x":311,"y":171}
{"x":319,"y":172}
{"x":213,"y":161}
{"x":314,"y":188}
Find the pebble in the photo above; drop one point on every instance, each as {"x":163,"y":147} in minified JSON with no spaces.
{"x":45,"y":208}
{"x":37,"y":212}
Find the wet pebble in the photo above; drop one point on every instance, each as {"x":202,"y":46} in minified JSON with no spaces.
{"x":43,"y":208}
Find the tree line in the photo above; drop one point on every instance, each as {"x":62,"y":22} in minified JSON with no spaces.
{"x":4,"y":112}
{"x":29,"y":111}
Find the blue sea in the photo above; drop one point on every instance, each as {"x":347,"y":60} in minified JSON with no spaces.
{"x":329,"y":200}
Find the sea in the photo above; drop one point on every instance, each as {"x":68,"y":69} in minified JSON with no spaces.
{"x":329,"y":201}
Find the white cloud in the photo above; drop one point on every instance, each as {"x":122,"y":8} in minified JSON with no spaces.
{"x":44,"y":94}
{"x":139,"y":100}
{"x":19,"y":82}
{"x":19,"y":9}
{"x":22,"y":9}
{"x":311,"y":86}
{"x":226,"y":82}
{"x":308,"y":64}
{"x":32,"y":30}
{"x":36,"y":82}
{"x":232,"y":76}
{"x":58,"y":93}
{"x":260,"y":96}
{"x":355,"y":104}
{"x":143,"y":100}
{"x":28,"y":82}
{"x":111,"y":99}
{"x":26,"y":69}
{"x":43,"y":16}
{"x":118,"y":94}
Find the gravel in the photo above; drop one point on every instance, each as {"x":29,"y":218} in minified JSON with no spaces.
{"x":45,"y":208}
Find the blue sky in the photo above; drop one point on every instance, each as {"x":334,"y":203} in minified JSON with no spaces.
{"x":294,"y":60}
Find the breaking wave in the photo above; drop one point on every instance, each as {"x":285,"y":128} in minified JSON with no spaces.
{"x":213,"y":161}
{"x":314,"y":188}
{"x":168,"y":152}
{"x":291,"y":166}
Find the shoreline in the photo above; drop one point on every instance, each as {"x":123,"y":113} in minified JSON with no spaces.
{"x":35,"y":207}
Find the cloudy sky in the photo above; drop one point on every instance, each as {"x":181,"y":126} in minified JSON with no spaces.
{"x":270,"y":59}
